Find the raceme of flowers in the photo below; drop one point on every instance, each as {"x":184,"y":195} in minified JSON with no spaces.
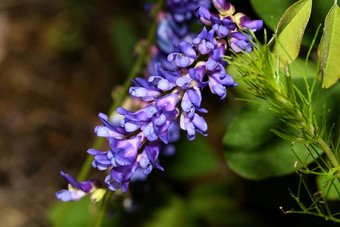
{"x":136,"y":142}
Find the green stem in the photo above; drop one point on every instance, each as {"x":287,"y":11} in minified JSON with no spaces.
{"x":330,"y":218}
{"x":329,"y":153}
{"x":103,"y":208}
{"x":86,"y":167}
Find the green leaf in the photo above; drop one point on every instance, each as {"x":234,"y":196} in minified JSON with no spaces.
{"x":330,"y":48}
{"x":72,"y":213}
{"x":192,"y":159}
{"x":290,"y":31}
{"x":254,"y":152}
{"x":270,"y":10}
{"x":330,"y":188}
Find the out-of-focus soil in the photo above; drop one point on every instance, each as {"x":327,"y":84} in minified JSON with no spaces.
{"x":49,"y":100}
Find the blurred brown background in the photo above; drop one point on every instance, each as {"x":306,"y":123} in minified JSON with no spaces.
{"x":58,"y":64}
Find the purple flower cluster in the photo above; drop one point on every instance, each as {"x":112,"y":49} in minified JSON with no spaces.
{"x":173,"y":93}
{"x":137,"y":141}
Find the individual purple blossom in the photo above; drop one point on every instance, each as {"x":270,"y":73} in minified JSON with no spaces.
{"x":76,"y":190}
{"x":193,"y":124}
{"x":149,"y":157}
{"x":204,"y":15}
{"x":205,"y":41}
{"x":120,"y":176}
{"x":222,"y":27}
{"x":184,"y":55}
{"x":217,"y":55}
{"x":143,"y":89}
{"x":164,"y":80}
{"x":101,"y":159}
{"x":244,"y":22}
{"x":109,"y":130}
{"x":219,"y":85}
{"x":241,"y":42}
{"x":126,"y":150}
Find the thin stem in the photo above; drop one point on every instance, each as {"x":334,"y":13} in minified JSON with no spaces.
{"x":331,"y":218}
{"x":103,"y":208}
{"x":329,"y":153}
{"x":86,"y":167}
{"x":335,"y":2}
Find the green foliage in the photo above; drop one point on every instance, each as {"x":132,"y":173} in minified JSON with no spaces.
{"x":192,"y":159}
{"x":329,"y":187}
{"x":293,"y":94}
{"x":271,"y":10}
{"x":290,"y":31}
{"x":79,"y":213}
{"x":330,"y":48}
{"x":254,"y":152}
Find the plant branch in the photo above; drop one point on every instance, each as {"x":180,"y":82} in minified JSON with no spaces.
{"x":329,"y":153}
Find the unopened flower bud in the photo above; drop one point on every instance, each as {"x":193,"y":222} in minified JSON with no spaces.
{"x":98,"y":195}
{"x":224,"y":7}
{"x":244,"y":23}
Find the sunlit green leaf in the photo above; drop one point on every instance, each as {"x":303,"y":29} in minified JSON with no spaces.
{"x":330,"y":48}
{"x":290,"y":31}
{"x":254,"y":152}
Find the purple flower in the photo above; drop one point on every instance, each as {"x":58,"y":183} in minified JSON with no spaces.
{"x":143,"y":89}
{"x":165,"y":80}
{"x":149,"y":157}
{"x":184,"y":56}
{"x":193,"y":124}
{"x":120,"y":177}
{"x":205,"y":41}
{"x":219,"y":86}
{"x":204,"y":15}
{"x":109,"y":130}
{"x":76,"y":190}
{"x":244,"y":23}
{"x":222,"y":27}
{"x":218,"y":53}
{"x":126,"y":151}
{"x":240,"y":42}
{"x":101,"y":160}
